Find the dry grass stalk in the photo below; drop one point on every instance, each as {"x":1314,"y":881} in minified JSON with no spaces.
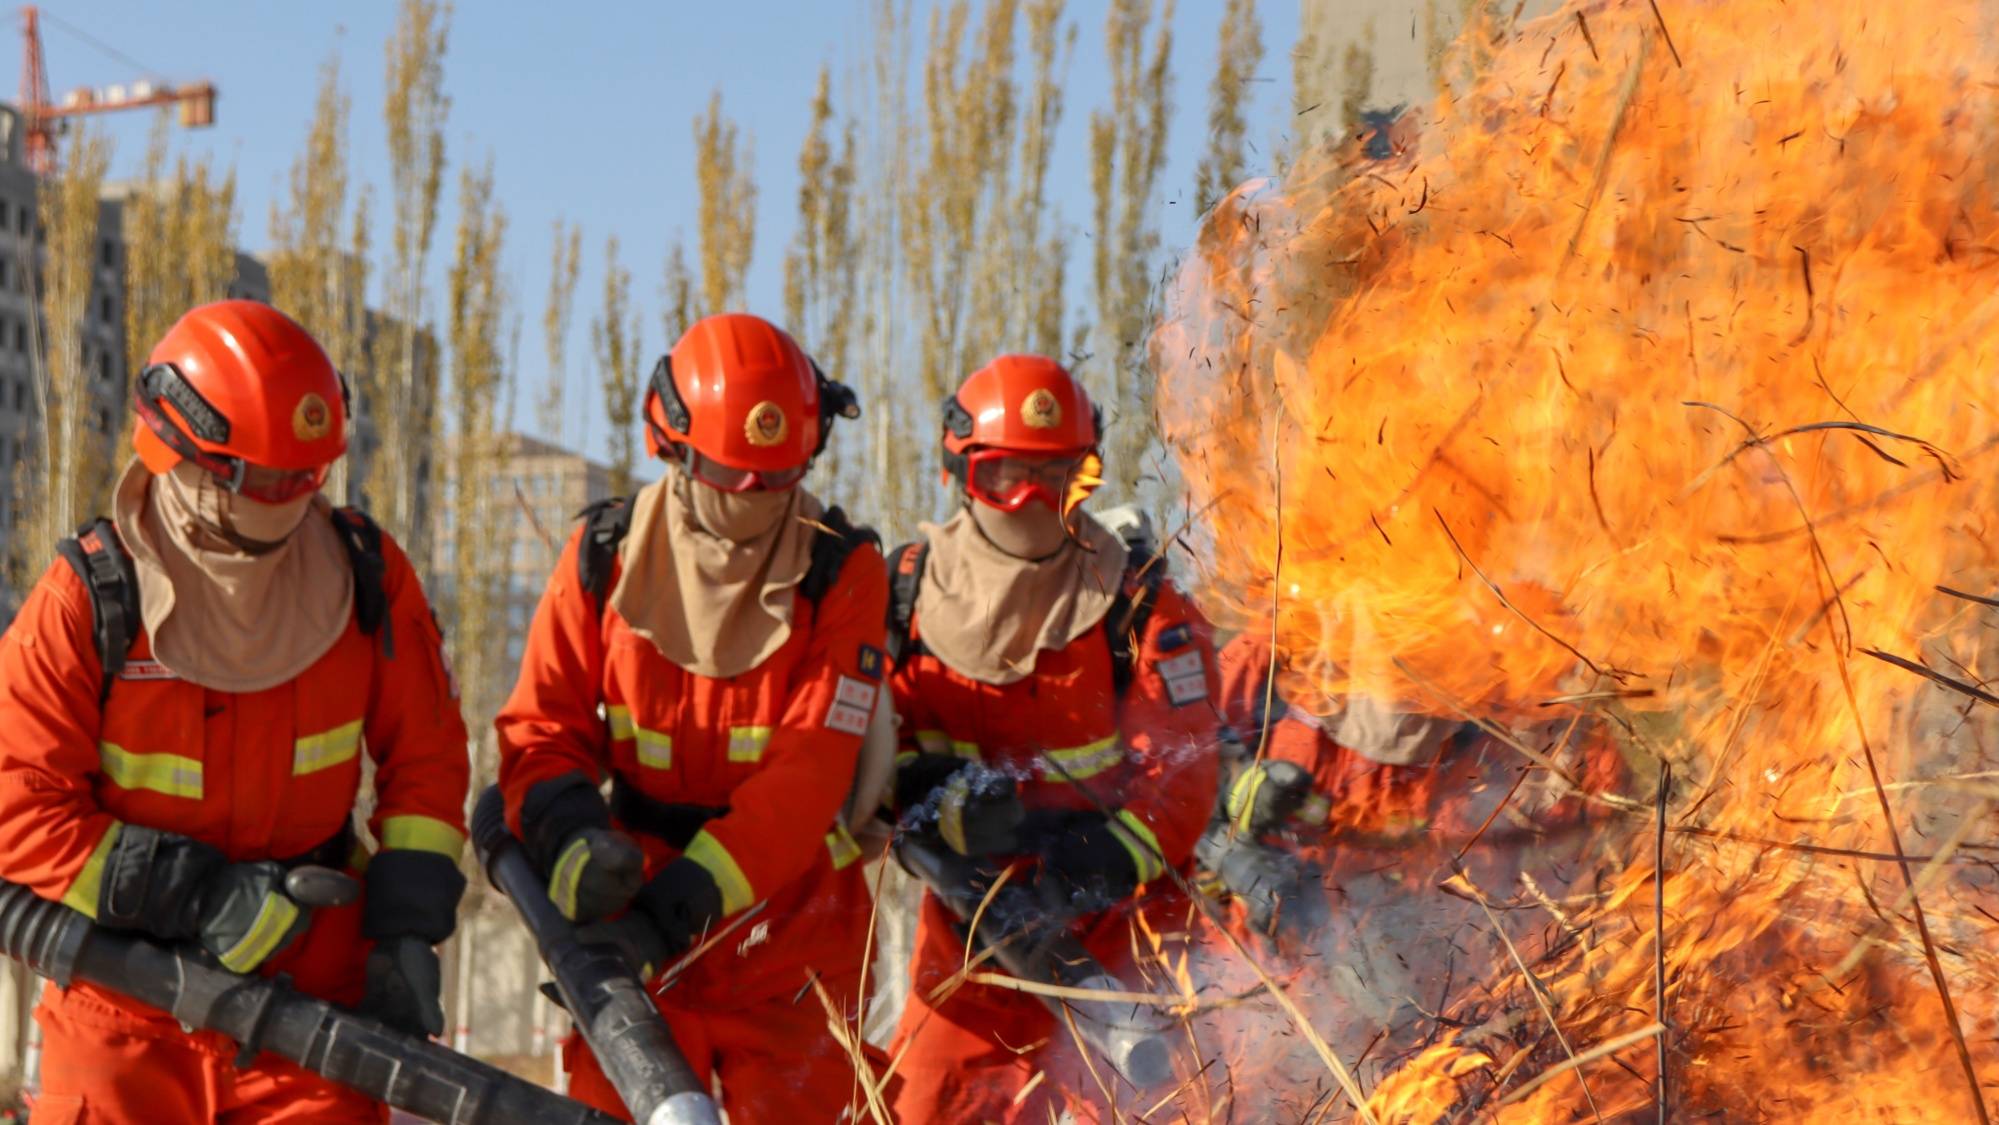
{"x":1607,"y":1047}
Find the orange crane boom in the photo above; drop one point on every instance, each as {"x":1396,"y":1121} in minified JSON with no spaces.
{"x":40,"y":116}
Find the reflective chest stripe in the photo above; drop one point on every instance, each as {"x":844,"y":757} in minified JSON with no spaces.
{"x":746,"y":744}
{"x":1079,"y":763}
{"x":169,"y":774}
{"x":655,"y":749}
{"x":327,"y":749}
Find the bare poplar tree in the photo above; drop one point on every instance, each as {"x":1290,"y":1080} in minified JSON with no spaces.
{"x":480,"y":537}
{"x":1238,"y":53}
{"x":405,"y":380}
{"x":565,"y":259}
{"x":1127,"y":153}
{"x":62,"y":481}
{"x":820,"y":266}
{"x":614,"y":335}
{"x":180,"y":242}
{"x":677,"y":311}
{"x":316,"y":276}
{"x":728,"y":211}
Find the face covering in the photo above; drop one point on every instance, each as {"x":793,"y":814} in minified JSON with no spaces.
{"x":987,"y":607}
{"x":1032,"y":533}
{"x":251,"y":526}
{"x":710,"y":577}
{"x":222,"y":615}
{"x":737,"y":516}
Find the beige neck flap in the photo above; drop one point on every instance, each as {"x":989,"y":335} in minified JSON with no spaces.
{"x":987,"y":614}
{"x":715,"y":606}
{"x":218,"y":616}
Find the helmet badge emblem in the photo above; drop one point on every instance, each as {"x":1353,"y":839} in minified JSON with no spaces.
{"x":766,"y":424}
{"x":1041,"y":411}
{"x":311,"y":420}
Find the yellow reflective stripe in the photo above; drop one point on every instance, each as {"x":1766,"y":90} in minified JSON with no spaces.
{"x":83,"y":890}
{"x":904,"y":757}
{"x":707,"y":851}
{"x":655,"y":750}
{"x":1141,"y":843}
{"x":746,"y":744}
{"x":1079,"y":763}
{"x":273,"y":922}
{"x":842,"y":847}
{"x":621,"y":723}
{"x":170,"y":774}
{"x":1242,"y":796}
{"x":568,"y":873}
{"x":325,"y":750}
{"x":422,"y":834}
{"x":937,"y":742}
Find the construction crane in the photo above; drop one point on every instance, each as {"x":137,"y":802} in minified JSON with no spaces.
{"x":41,"y":117}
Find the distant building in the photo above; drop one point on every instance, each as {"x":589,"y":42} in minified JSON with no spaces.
{"x":534,"y":497}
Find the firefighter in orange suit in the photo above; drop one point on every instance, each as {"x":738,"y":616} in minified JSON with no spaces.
{"x":714,"y":646}
{"x":1374,"y":773}
{"x":184,"y":699}
{"x":1032,"y":647}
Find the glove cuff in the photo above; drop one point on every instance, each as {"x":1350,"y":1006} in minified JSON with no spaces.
{"x":153,"y":882}
{"x":556,"y":809}
{"x":411,"y":894}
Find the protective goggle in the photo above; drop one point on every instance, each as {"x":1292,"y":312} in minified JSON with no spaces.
{"x":728,"y":478}
{"x":163,"y":382}
{"x":1008,"y":481}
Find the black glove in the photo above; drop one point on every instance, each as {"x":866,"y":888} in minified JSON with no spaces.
{"x":245,"y":916}
{"x":404,"y":983}
{"x":554,"y":811}
{"x":667,"y":917}
{"x":979,"y":811}
{"x":180,"y":889}
{"x":1276,"y":888}
{"x":920,"y":775}
{"x":596,"y":874}
{"x":1086,"y":864}
{"x":1266,"y":795}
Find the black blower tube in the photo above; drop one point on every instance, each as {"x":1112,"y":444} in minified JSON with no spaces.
{"x":606,"y":999}
{"x":1027,"y":946}
{"x":266,"y":1014}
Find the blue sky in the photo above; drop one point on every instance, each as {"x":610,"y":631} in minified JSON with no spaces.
{"x":585,"y":108}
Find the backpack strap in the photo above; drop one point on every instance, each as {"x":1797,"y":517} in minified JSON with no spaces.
{"x":1130,"y":613}
{"x":99,"y":558}
{"x":905,"y":574}
{"x":362,"y":537}
{"x":837,"y":538}
{"x":605,"y":525}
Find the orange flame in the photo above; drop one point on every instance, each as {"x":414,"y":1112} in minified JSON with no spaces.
{"x":1665,"y":366}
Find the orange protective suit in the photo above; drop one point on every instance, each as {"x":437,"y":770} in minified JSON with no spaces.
{"x":1367,"y":801}
{"x":271,"y":774}
{"x":773,"y":750}
{"x":1146,"y":756}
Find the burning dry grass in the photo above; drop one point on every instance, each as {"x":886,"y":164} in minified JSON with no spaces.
{"x":1655,"y":378}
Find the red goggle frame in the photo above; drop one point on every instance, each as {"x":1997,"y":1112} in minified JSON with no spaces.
{"x":728,"y":478}
{"x":163,"y":382}
{"x":990,"y":480}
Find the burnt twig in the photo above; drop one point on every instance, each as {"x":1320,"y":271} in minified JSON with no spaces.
{"x":1618,"y":674}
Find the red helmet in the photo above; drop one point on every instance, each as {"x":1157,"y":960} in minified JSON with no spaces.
{"x":1017,"y":406}
{"x":235,"y":386}
{"x":741,"y":405}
